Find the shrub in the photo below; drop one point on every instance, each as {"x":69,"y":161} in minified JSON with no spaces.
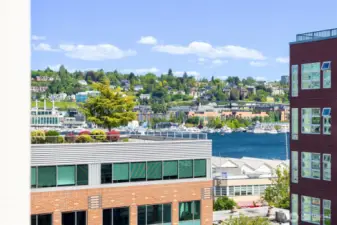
{"x":84,"y":138}
{"x":60,"y":139}
{"x":245,"y":220}
{"x":38,"y":137}
{"x":126,"y":140}
{"x":113,"y":135}
{"x":98,"y":135}
{"x":70,"y":138}
{"x":84,"y":132}
{"x":224,"y":203}
{"x":52,"y":136}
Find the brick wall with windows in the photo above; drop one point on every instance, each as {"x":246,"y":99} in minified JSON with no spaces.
{"x":58,"y":202}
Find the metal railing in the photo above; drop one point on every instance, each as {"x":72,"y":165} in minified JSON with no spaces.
{"x":122,"y":137}
{"x":316,"y":35}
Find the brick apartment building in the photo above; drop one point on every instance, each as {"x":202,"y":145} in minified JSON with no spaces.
{"x":313,"y":60}
{"x":148,"y":180}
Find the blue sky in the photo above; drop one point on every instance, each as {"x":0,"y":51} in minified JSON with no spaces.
{"x":215,"y":37}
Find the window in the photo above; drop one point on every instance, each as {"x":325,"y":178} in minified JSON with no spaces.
{"x":249,"y":190}
{"x":138,"y":171}
{"x":121,"y":172}
{"x":42,"y":219}
{"x":311,"y":121}
{"x":326,"y":114}
{"x":294,"y":209}
{"x":82,"y":172}
{"x":326,"y":212}
{"x":243,"y":190}
{"x":74,"y":218}
{"x":237,"y":191}
{"x":66,"y":175}
{"x":310,"y":209}
{"x":33,"y":177}
{"x":115,"y":216}
{"x":106,"y":173}
{"x":200,"y":168}
{"x":46,"y":176}
{"x":326,"y":68}
{"x":154,"y":170}
{"x":327,"y":167}
{"x":294,"y":80}
{"x":231,"y":190}
{"x":310,"y":76}
{"x":154,"y":214}
{"x":189,"y":211}
{"x":262,"y":189}
{"x":294,"y":167}
{"x":170,"y":170}
{"x":256,"y":190}
{"x":294,"y":123}
{"x":311,"y":165}
{"x":185,"y":169}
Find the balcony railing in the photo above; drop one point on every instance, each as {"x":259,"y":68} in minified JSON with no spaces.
{"x":317,"y":35}
{"x":122,"y":137}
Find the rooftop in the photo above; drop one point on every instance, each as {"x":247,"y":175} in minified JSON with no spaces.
{"x":316,"y":35}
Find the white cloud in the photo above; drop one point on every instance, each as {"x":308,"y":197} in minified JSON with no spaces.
{"x":189,"y":73}
{"x":95,"y":52}
{"x":258,"y":64}
{"x":55,"y":67}
{"x":44,"y":47}
{"x":203,"y":49}
{"x":260,"y":78}
{"x":148,"y":40}
{"x":282,"y":59}
{"x":38,"y":38}
{"x":219,"y":61}
{"x":141,"y":71}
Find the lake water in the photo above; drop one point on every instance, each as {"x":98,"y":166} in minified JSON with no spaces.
{"x":237,"y":145}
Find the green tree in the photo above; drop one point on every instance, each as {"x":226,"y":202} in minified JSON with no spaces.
{"x":112,"y":108}
{"x":224,"y":203}
{"x":245,"y":220}
{"x":278,"y":194}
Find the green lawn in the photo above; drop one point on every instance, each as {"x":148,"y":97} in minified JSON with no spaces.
{"x":60,"y":105}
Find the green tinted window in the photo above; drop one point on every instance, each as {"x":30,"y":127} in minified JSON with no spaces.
{"x":33,"y":177}
{"x":46,"y":176}
{"x":65,"y":175}
{"x":185,"y":169}
{"x":138,"y":171}
{"x":154,"y":170}
{"x":170,"y":170}
{"x":200,"y":168}
{"x":121,"y":172}
{"x":82,"y":175}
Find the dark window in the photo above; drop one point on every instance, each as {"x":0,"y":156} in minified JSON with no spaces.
{"x":45,"y":219}
{"x":170,"y":170}
{"x":138,"y":171}
{"x":74,"y":218}
{"x":185,"y":169}
{"x":115,"y":216}
{"x":46,"y":176}
{"x":154,"y":214}
{"x":200,"y":168}
{"x":82,"y":174}
{"x":154,"y":170}
{"x":106,"y":173}
{"x":121,"y":172}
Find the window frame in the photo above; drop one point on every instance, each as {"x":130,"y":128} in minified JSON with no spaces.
{"x":312,"y":161}
{"x":75,"y":212}
{"x":294,"y":209}
{"x":294,"y":167}
{"x":42,"y":214}
{"x":192,"y":208}
{"x":325,"y":202}
{"x":112,"y":213}
{"x":294,"y":82}
{"x":311,"y":115}
{"x":162,"y":212}
{"x":326,"y":117}
{"x":310,"y":207}
{"x":328,"y":169}
{"x":310,"y":74}
{"x":294,"y":123}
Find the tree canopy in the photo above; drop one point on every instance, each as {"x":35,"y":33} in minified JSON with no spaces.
{"x":111,"y":108}
{"x":278,"y":194}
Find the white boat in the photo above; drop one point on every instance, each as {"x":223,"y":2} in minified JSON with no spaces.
{"x":272,"y":131}
{"x":226,"y":130}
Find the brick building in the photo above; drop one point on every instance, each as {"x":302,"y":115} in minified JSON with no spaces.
{"x":313,"y":61}
{"x":148,"y":180}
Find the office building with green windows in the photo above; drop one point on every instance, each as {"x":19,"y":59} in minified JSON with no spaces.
{"x":147,"y":180}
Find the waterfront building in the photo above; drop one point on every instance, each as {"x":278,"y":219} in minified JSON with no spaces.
{"x":285,"y":80}
{"x":244,"y":179}
{"x":146,"y":180}
{"x":42,"y":118}
{"x":313,"y":61}
{"x":83,"y":96}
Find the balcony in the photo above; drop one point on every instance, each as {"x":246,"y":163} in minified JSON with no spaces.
{"x":316,"y":35}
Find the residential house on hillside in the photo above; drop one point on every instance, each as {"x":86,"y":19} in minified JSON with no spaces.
{"x":38,"y":89}
{"x":58,"y":97}
{"x":226,"y":90}
{"x":83,"y":82}
{"x":145,"y":96}
{"x":243,"y":92}
{"x":138,"y":87}
{"x":44,"y":78}
{"x":251,"y":89}
{"x":277,"y":91}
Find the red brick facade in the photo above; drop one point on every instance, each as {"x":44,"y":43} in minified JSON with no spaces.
{"x":56,"y":202}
